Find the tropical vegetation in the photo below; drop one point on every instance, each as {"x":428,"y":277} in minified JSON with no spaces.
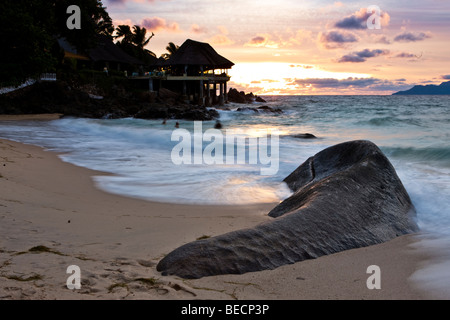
{"x":29,"y":31}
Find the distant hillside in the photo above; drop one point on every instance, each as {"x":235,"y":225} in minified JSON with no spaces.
{"x":443,"y":88}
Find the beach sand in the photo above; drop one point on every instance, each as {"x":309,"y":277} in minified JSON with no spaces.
{"x":18,"y":117}
{"x":53,"y":216}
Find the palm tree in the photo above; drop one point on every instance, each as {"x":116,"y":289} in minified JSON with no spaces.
{"x":125,"y":32}
{"x":139,"y":37}
{"x":171,"y":48}
{"x":134,"y":41}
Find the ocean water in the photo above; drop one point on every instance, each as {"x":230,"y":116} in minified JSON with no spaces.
{"x":413,"y":131}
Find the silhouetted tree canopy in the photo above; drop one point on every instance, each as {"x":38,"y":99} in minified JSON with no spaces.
{"x":29,"y":30}
{"x":94,"y":20}
{"x":134,"y":41}
{"x":124,"y":32}
{"x":171,"y":49}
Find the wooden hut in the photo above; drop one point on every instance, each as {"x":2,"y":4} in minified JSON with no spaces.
{"x":195,"y":70}
{"x":105,"y":54}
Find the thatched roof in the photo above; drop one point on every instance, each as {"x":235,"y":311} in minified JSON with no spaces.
{"x":106,"y":50}
{"x":194,"y":53}
{"x":159,"y":62}
{"x":70,"y":51}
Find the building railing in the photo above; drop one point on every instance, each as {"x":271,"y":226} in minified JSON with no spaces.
{"x":48,"y":77}
{"x":168,"y":76}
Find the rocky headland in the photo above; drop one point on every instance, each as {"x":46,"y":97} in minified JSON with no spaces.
{"x":430,"y":89}
{"x":61,"y":97}
{"x":87,"y":101}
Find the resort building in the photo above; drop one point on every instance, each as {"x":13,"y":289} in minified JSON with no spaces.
{"x":196,"y":71}
{"x":105,"y":55}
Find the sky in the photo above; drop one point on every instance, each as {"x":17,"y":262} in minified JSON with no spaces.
{"x":307,"y":47}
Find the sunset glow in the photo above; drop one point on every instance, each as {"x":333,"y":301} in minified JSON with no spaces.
{"x":306,"y":47}
{"x":274,"y":78}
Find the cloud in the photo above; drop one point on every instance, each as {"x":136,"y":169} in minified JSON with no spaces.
{"x":405,"y":55}
{"x":223,"y":30}
{"x":446,"y":77}
{"x":221,"y":39}
{"x":369,"y":84}
{"x":195,"y":28}
{"x":336,"y":39}
{"x":331,"y":7}
{"x":289,"y":38}
{"x":381,"y":39}
{"x":304,"y":66}
{"x":300,"y":37}
{"x":159,"y":24}
{"x":358,"y":20}
{"x":127,"y":22}
{"x":411,"y":37}
{"x":269,"y":81}
{"x":257,"y":41}
{"x":246,"y":87}
{"x":262,"y":41}
{"x":351,"y":58}
{"x":361,"y":56}
{"x":336,"y":83}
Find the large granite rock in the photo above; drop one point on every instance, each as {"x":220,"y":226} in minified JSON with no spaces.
{"x":346,"y":196}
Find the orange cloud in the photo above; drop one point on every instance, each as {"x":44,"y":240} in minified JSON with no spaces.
{"x":275,"y":41}
{"x":300,"y":37}
{"x":336,"y":39}
{"x":222,"y":38}
{"x":262,"y":41}
{"x":358,"y":20}
{"x":159,"y":24}
{"x":127,"y":22}
{"x":195,"y":28}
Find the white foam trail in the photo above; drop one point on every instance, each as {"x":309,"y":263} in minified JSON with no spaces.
{"x":429,"y":188}
{"x":434,"y":276}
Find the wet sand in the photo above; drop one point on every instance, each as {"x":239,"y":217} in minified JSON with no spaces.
{"x":52,"y":216}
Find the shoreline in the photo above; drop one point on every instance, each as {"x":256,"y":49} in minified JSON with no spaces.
{"x":54,"y":208}
{"x":25,"y":117}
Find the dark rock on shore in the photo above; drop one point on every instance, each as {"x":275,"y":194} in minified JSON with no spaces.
{"x":304,"y":136}
{"x":264,"y":109}
{"x":193,"y":113}
{"x":152,"y":111}
{"x":347,"y":196}
{"x":236,"y":96}
{"x":161,"y":111}
{"x":241,"y":97}
{"x":247,"y":109}
{"x":270,"y":110}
